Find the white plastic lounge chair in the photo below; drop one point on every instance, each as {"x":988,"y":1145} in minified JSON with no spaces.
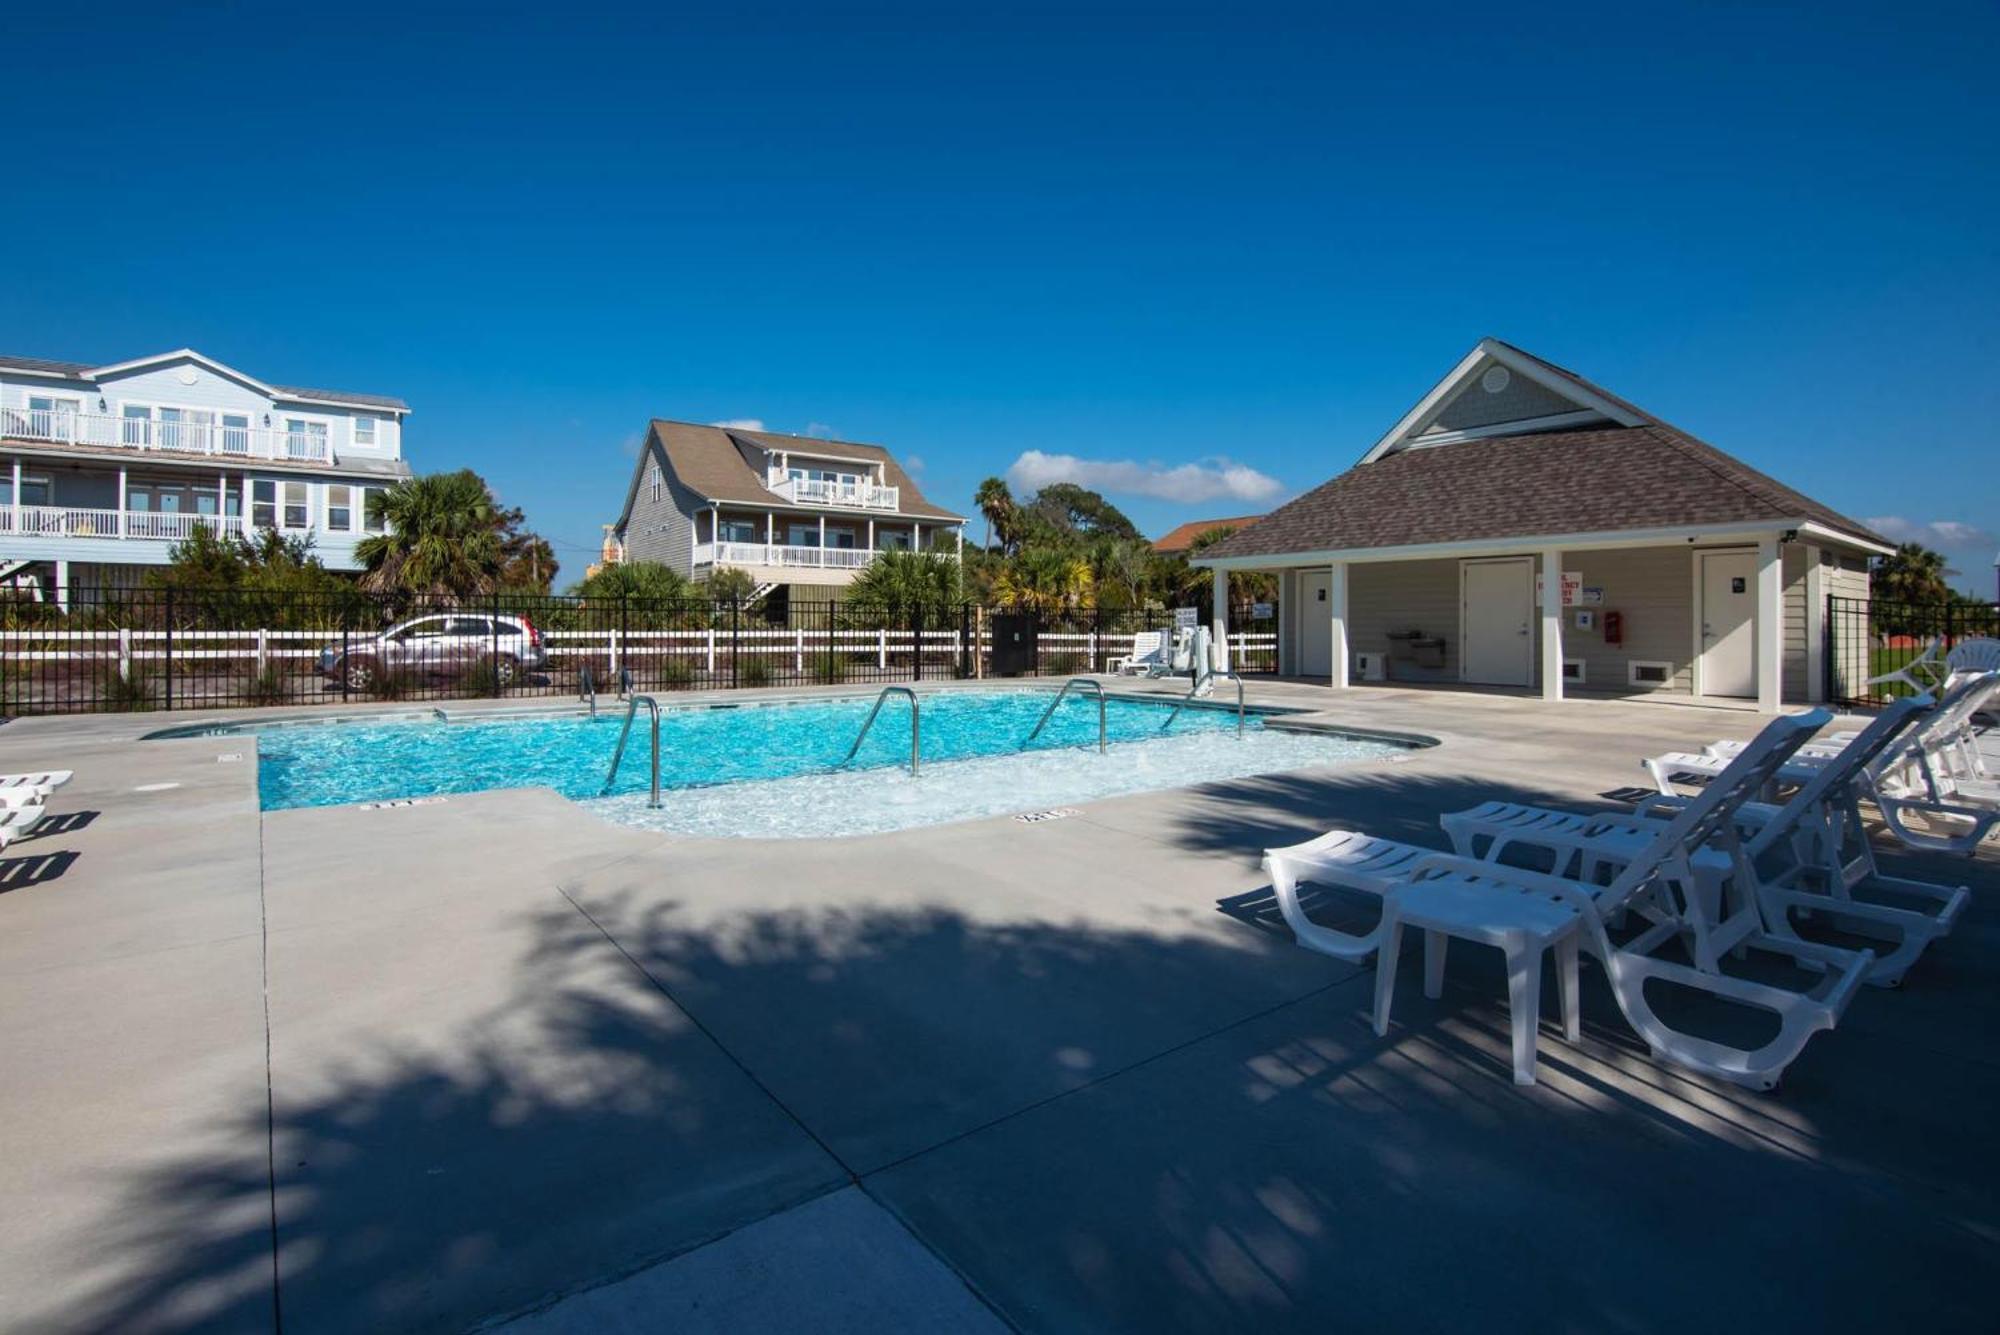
{"x":45,"y":782}
{"x":1659,"y":879}
{"x":1936,"y":773}
{"x":22,"y":797}
{"x":1811,"y":856}
{"x":1975,"y":655}
{"x":1148,"y":648}
{"x":1923,"y":674}
{"x":17,"y":821}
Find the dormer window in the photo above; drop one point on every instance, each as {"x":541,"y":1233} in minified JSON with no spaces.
{"x":655,"y":483}
{"x":364,"y":431}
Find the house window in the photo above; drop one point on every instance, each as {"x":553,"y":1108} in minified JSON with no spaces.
{"x":802,"y":535}
{"x":137,"y":426}
{"x":895,"y":541}
{"x":364,"y":431}
{"x":655,"y":483}
{"x":305,"y":439}
{"x":371,"y":509}
{"x":340,"y":509}
{"x":263,"y":503}
{"x":298,"y":513}
{"x":34,"y":490}
{"x":739,"y":530}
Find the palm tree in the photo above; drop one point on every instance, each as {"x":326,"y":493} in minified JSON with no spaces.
{"x":997,"y":504}
{"x":639,"y":581}
{"x":442,"y":540}
{"x":897,"y":582}
{"x":1045,"y":580}
{"x":1915,"y":574}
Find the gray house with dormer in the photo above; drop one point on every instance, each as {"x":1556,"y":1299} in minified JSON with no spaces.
{"x":796,"y":511}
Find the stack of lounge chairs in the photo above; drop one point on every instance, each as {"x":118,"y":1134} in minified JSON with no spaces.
{"x":24,"y":801}
{"x":1686,"y":888}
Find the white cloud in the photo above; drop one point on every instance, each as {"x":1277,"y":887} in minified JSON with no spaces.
{"x":1939,"y":534}
{"x":1206,"y":480}
{"x":740,"y":424}
{"x":632,"y":444}
{"x":913,"y":464}
{"x":820,"y":429}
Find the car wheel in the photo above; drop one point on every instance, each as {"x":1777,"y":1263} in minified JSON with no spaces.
{"x":360,"y":674}
{"x":505,"y":670}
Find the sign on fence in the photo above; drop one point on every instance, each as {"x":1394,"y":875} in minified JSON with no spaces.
{"x":1186,"y":618}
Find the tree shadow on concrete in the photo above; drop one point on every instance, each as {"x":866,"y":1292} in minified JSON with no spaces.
{"x":1101,"y":1128}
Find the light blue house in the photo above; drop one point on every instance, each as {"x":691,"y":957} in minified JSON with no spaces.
{"x":104,"y":468}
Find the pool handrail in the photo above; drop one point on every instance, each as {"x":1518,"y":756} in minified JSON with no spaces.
{"x":1229,"y":673}
{"x":1073,"y":682}
{"x":652,"y":706}
{"x":586,"y":688}
{"x":916,"y":726}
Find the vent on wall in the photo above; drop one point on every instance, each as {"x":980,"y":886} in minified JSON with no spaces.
{"x":1642,"y":673}
{"x":1574,"y":671}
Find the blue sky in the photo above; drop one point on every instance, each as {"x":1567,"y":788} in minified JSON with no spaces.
{"x":1186,"y":248}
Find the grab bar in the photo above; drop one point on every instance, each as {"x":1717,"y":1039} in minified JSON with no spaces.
{"x":1197,"y":686}
{"x":653,"y":706}
{"x":916,"y":726}
{"x":1094,"y":685}
{"x":586,"y":688}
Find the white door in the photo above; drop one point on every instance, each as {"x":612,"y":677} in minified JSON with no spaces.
{"x":1728,"y":643}
{"x":1497,"y":612}
{"x":1315,"y":625}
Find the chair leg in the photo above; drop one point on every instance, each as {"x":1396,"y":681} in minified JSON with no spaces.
{"x":1435,"y":945}
{"x":1566,"y":953}
{"x":1524,"y":1000}
{"x":1386,"y":954}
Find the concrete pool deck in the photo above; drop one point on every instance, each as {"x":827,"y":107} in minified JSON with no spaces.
{"x":438,"y":1066}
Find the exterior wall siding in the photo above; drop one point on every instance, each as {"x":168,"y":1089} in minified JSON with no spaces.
{"x":662,"y":530}
{"x":1402,"y":596}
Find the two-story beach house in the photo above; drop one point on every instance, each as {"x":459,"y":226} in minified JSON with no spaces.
{"x":104,"y":468}
{"x":792,"y":511}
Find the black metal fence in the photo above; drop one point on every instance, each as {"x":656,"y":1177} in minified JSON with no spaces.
{"x":1868,"y":637}
{"x":229,"y":648}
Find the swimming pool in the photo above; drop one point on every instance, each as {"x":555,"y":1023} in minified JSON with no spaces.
{"x":759,"y":768}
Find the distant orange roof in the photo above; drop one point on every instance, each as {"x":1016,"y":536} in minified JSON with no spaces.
{"x":1185,"y":536}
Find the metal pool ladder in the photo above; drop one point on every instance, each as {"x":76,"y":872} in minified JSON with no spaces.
{"x":1197,"y":686}
{"x":916,"y":725}
{"x":1068,"y":686}
{"x":653,"y":707}
{"x":586,"y":687}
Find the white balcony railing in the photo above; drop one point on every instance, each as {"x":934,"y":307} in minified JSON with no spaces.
{"x":61,"y":426}
{"x":780,"y":554}
{"x":59,"y":521}
{"x":819,"y":491}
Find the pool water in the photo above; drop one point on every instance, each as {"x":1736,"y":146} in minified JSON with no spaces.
{"x":759,"y":768}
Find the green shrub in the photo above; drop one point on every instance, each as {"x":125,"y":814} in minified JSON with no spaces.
{"x":676,"y":674}
{"x":753,"y":672}
{"x":830,"y":667}
{"x":1062,"y":665}
{"x":399,"y":683}
{"x":267,"y":686}
{"x":122,"y":694}
{"x":482,"y":678}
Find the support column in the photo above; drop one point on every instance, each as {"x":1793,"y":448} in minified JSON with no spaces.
{"x":961,"y":542}
{"x":1219,"y":620}
{"x":916,"y":536}
{"x":123,"y":524}
{"x":822,"y":539}
{"x":17,"y":495}
{"x":1815,"y":592}
{"x":871,"y":533}
{"x":770,"y":528}
{"x":1336,"y":613}
{"x":1768,"y":623}
{"x":359,"y":516}
{"x":1552,"y":624}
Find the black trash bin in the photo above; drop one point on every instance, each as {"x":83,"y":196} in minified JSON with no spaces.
{"x":1014,"y":640}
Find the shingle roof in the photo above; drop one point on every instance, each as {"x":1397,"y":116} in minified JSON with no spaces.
{"x":1184,"y":537}
{"x":708,"y":461}
{"x":82,"y":370}
{"x":1541,"y":485}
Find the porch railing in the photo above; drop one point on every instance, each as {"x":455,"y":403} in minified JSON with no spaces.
{"x":820,"y":491}
{"x":63,"y":521}
{"x":780,"y":554}
{"x":61,"y":426}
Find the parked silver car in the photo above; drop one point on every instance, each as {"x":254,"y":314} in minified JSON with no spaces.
{"x":446,"y":645}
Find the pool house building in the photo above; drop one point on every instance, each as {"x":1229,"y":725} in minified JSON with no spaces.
{"x":795,"y":512}
{"x":1521,"y":527}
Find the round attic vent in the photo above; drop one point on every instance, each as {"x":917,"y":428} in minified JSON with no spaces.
{"x":187,"y":375}
{"x":1495,"y":379}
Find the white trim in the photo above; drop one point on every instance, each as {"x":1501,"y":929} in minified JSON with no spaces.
{"x":1428,"y":406}
{"x":139,"y":363}
{"x":1549,"y":634}
{"x":1340,"y":665}
{"x":1521,"y":545}
{"x":1527,"y":563}
{"x":1815,"y":621}
{"x":90,"y":375}
{"x":1519,"y":427}
{"x":1666,"y":670}
{"x":1815,"y":529}
{"x":1768,"y":625}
